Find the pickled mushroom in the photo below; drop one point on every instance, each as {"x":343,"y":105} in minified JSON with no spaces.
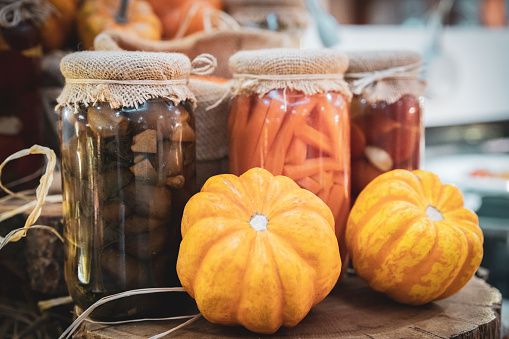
{"x":137,"y":224}
{"x":171,"y":161}
{"x":106,"y":122}
{"x":146,"y":244}
{"x":177,"y":181}
{"x":147,"y":200}
{"x":183,"y":133}
{"x":144,"y":170}
{"x":145,"y":142}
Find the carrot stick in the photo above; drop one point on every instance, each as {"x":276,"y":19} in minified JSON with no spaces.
{"x":236,"y":126}
{"x":332,"y":116}
{"x":297,"y":114}
{"x":252,"y":132}
{"x":297,"y":152}
{"x":325,"y":178}
{"x":309,"y":184}
{"x":310,"y":167}
{"x":324,"y":194}
{"x":337,"y":198}
{"x":339,"y":203}
{"x":339,"y":177}
{"x":275,"y":116}
{"x":315,"y":138}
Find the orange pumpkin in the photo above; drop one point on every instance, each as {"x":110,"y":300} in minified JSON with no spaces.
{"x":58,"y":26}
{"x":410,"y":237}
{"x":96,"y":16}
{"x":175,"y":14}
{"x":257,"y":250}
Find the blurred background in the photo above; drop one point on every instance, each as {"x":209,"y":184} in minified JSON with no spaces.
{"x":465,"y":49}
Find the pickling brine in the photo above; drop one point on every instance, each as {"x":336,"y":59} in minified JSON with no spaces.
{"x":304,"y":137}
{"x":128,"y":170}
{"x":127,"y":174}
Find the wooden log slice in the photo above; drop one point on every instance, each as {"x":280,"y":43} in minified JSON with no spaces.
{"x":352,"y":310}
{"x":37,"y":259}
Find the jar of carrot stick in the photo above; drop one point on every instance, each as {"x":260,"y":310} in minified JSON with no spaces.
{"x":386,"y":113}
{"x":290,"y":115}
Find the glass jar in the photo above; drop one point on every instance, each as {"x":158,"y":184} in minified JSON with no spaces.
{"x":127,"y":174}
{"x":302,"y":130}
{"x":387,"y":131}
{"x":21,"y":113}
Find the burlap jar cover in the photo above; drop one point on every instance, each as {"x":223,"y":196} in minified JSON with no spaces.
{"x":125,"y":79}
{"x":385,"y":75}
{"x":308,"y":70}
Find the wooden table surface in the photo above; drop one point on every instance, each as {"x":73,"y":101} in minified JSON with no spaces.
{"x":352,"y":310}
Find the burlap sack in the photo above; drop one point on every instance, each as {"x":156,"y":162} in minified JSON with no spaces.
{"x":211,"y":123}
{"x":385,"y":75}
{"x":124,"y":79}
{"x":291,"y":14}
{"x":221,"y":43}
{"x":308,"y":70}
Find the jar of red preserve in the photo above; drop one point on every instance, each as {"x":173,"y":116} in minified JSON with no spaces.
{"x":386,"y":113}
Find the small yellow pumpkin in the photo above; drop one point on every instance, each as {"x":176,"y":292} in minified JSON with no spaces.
{"x":257,"y":251}
{"x":96,"y":16}
{"x":411,"y":238}
{"x":59,"y":25}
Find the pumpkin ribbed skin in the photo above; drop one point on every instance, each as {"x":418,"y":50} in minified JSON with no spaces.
{"x":410,"y":237}
{"x":261,"y":279}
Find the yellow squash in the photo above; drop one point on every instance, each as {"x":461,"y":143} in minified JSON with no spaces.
{"x":257,"y":251}
{"x":96,"y":16}
{"x":411,"y":238}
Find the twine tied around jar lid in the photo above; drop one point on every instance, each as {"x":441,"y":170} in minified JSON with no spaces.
{"x":128,"y":79}
{"x":385,"y":75}
{"x":311,"y":71}
{"x":12,"y":12}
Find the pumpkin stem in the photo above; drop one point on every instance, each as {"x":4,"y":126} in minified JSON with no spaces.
{"x":259,"y":222}
{"x":121,"y":16}
{"x":434,"y":214}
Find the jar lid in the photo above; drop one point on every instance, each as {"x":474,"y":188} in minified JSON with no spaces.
{"x":124,"y":79}
{"x":308,"y":70}
{"x":385,"y":75}
{"x":125,"y":65}
{"x":289,"y":61}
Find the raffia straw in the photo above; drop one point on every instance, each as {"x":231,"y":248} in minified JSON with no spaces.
{"x":82,"y":317}
{"x":41,"y":194}
{"x":50,"y":303}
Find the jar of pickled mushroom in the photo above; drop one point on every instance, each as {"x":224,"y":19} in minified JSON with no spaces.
{"x":386,"y":113}
{"x":290,"y":115}
{"x":128,"y":169}
{"x":21,"y":113}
